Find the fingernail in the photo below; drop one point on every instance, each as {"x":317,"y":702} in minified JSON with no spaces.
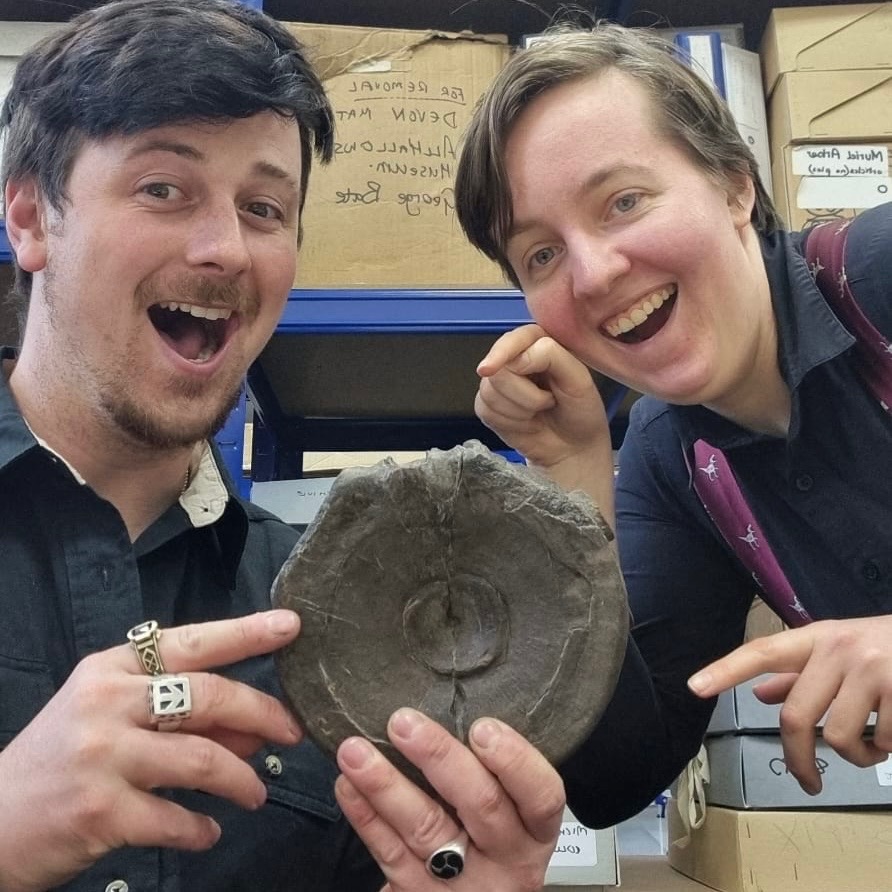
{"x":404,"y":722}
{"x":281,"y":622}
{"x":295,"y":729}
{"x":700,"y":682}
{"x":811,"y":787}
{"x":485,"y":733}
{"x":355,"y":752}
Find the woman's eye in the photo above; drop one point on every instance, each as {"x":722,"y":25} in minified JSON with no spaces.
{"x":626,"y":203}
{"x":542,"y":256}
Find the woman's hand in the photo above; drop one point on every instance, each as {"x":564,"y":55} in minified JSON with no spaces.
{"x":841,"y":668}
{"x":507,"y":800}
{"x":542,"y":402}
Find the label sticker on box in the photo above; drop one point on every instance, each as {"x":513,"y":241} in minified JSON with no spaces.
{"x":576,"y":847}
{"x":840,"y":161}
{"x":884,"y":773}
{"x":842,"y":176}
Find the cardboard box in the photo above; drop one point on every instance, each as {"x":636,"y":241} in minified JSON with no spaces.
{"x":748,"y":771}
{"x":382,"y":213}
{"x":824,"y":106}
{"x":15,"y":39}
{"x":826,"y":38}
{"x":761,"y":621}
{"x":584,"y":859}
{"x":810,"y":851}
{"x":296,"y":502}
{"x":815,"y":182}
{"x":739,"y":710}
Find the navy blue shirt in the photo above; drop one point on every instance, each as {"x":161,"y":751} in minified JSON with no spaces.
{"x":73,"y":584}
{"x":822,"y":496}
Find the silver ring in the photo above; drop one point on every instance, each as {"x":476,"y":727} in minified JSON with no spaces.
{"x":144,"y":639}
{"x":449,"y":860}
{"x":170,"y":701}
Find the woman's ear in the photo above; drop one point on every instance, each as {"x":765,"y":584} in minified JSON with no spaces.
{"x":26,"y":224}
{"x":741,"y":199}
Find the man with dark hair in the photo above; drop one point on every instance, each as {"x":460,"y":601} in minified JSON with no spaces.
{"x":156,"y":162}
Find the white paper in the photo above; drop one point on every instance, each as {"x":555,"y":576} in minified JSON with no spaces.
{"x":843,"y":192}
{"x":884,"y":773}
{"x":576,"y":847}
{"x":743,"y":84}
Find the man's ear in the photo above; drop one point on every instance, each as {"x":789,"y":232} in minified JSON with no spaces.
{"x":741,"y":199}
{"x":26,"y":224}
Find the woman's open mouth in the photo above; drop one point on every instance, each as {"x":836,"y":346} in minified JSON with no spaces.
{"x":645,"y":319}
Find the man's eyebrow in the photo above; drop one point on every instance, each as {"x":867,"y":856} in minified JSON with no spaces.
{"x":595,"y":181}
{"x":166,"y":145}
{"x":184,"y":150}
{"x":267,"y":169}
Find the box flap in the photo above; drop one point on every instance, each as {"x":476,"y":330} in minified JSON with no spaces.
{"x":832,"y":105}
{"x":826,"y":38}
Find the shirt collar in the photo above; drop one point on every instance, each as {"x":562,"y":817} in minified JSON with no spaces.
{"x":15,"y":438}
{"x":808,"y":334}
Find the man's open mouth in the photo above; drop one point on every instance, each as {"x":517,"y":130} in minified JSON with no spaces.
{"x":645,"y":319}
{"x":196,"y":333}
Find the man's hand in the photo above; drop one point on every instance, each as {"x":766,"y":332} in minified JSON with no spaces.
{"x":78,"y":781}
{"x":507,"y":799}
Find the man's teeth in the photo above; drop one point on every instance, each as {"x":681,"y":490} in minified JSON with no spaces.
{"x":211,"y":313}
{"x":638,"y":314}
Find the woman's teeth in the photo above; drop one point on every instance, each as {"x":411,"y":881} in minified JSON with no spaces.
{"x":633,"y":318}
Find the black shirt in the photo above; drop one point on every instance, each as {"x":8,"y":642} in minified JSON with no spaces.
{"x":74,"y":584}
{"x":822,"y":496}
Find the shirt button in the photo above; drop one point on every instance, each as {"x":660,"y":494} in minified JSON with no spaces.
{"x":871,"y":571}
{"x":804,"y":482}
{"x":117,"y":886}
{"x":273,"y":766}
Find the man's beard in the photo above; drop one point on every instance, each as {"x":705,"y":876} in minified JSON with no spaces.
{"x":154,"y":433}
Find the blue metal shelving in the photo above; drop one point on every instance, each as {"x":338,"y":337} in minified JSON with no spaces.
{"x":5,"y":250}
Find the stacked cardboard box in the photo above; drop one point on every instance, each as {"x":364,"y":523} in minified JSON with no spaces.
{"x":382,"y":213}
{"x":762,"y":832}
{"x":828,"y":76}
{"x":584,"y":860}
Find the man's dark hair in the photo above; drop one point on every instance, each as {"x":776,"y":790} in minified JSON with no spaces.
{"x":132,"y":65}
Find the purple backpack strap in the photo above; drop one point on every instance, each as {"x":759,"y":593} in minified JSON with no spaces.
{"x":712,"y":477}
{"x":825,"y":251}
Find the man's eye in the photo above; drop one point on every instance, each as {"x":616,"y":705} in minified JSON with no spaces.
{"x":264,"y":210}
{"x":160,"y":190}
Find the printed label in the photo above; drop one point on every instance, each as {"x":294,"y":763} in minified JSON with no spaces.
{"x":576,"y":847}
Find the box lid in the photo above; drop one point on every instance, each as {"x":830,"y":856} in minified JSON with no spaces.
{"x":832,"y":105}
{"x":749,"y":771}
{"x":826,"y":38}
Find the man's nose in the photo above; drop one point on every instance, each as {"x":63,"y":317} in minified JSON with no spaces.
{"x":217,"y":244}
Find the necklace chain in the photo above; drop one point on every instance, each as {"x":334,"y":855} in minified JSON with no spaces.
{"x":186,"y":482}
